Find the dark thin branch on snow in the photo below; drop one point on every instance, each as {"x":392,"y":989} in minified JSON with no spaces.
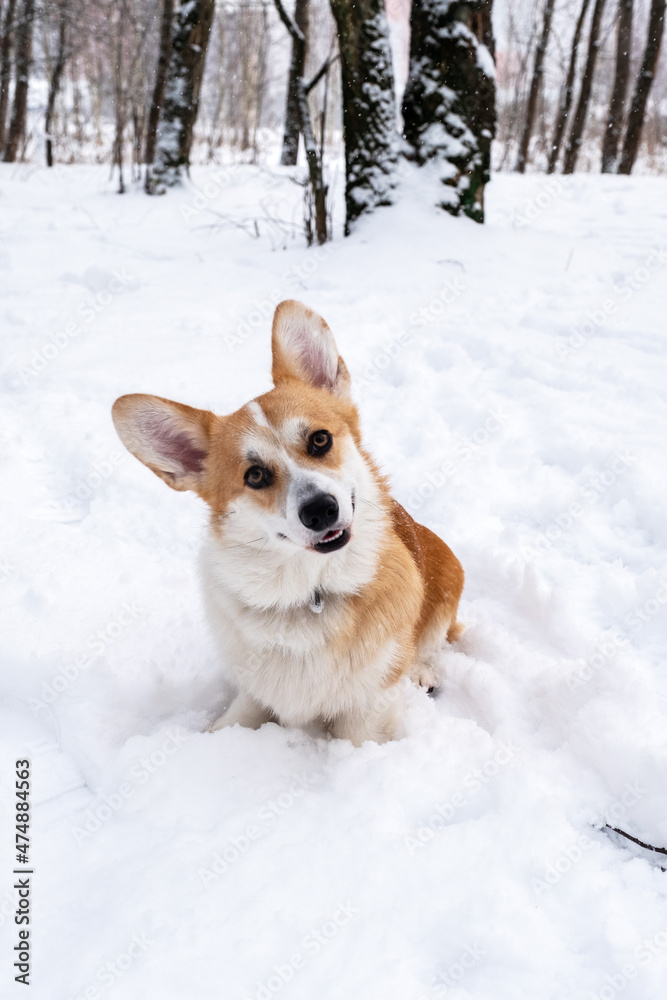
{"x":640,"y":843}
{"x":249,"y":225}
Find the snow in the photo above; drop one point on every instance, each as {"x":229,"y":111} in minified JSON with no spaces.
{"x":485,"y":60}
{"x":511,"y":379}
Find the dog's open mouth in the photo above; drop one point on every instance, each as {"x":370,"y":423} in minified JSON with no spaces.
{"x":333,"y":540}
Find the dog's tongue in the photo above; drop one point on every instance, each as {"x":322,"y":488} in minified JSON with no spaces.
{"x":330,"y":534}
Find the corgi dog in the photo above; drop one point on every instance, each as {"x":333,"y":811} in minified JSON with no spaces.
{"x":321,"y":590}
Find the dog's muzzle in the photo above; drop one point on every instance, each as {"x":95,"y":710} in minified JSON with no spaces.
{"x":319,"y":515}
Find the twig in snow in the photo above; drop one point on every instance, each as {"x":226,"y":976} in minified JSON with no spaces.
{"x":640,"y":843}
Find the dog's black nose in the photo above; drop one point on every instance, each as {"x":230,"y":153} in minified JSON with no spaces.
{"x":319,"y":513}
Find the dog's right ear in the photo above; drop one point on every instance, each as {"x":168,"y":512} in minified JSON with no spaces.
{"x":303,"y":348}
{"x":170,"y":438}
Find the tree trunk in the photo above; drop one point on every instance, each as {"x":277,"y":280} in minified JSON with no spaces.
{"x":369,"y":105}
{"x":579,"y":120}
{"x":318,"y":187}
{"x":23,"y":63}
{"x":120,"y":94}
{"x":189,"y":41}
{"x":160,"y":78}
{"x":6,"y":65}
{"x":260,"y":81}
{"x":535,"y":83}
{"x":54,"y":82}
{"x":568,"y":91}
{"x":612,"y":136}
{"x":290,"y":149}
{"x":656,"y":25}
{"x":449,"y":102}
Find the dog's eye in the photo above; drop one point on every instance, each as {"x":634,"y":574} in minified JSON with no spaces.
{"x":257,"y":478}
{"x":319,"y":443}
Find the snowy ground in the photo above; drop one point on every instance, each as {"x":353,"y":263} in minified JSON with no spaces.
{"x":512,"y":381}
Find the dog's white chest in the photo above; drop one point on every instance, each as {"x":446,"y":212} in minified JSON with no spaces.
{"x":298,"y":662}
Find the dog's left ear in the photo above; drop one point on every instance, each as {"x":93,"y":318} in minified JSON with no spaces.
{"x":304,"y":348}
{"x":170,"y":438}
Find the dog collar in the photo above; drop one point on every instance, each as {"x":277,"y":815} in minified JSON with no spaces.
{"x":317,"y":604}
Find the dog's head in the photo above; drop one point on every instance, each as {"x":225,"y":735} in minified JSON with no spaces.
{"x":284,"y":474}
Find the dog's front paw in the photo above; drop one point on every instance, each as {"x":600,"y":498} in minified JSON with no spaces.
{"x":426,"y":677}
{"x":243,"y":711}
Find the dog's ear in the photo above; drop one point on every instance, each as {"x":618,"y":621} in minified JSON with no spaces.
{"x":170,"y":438}
{"x":303,"y":348}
